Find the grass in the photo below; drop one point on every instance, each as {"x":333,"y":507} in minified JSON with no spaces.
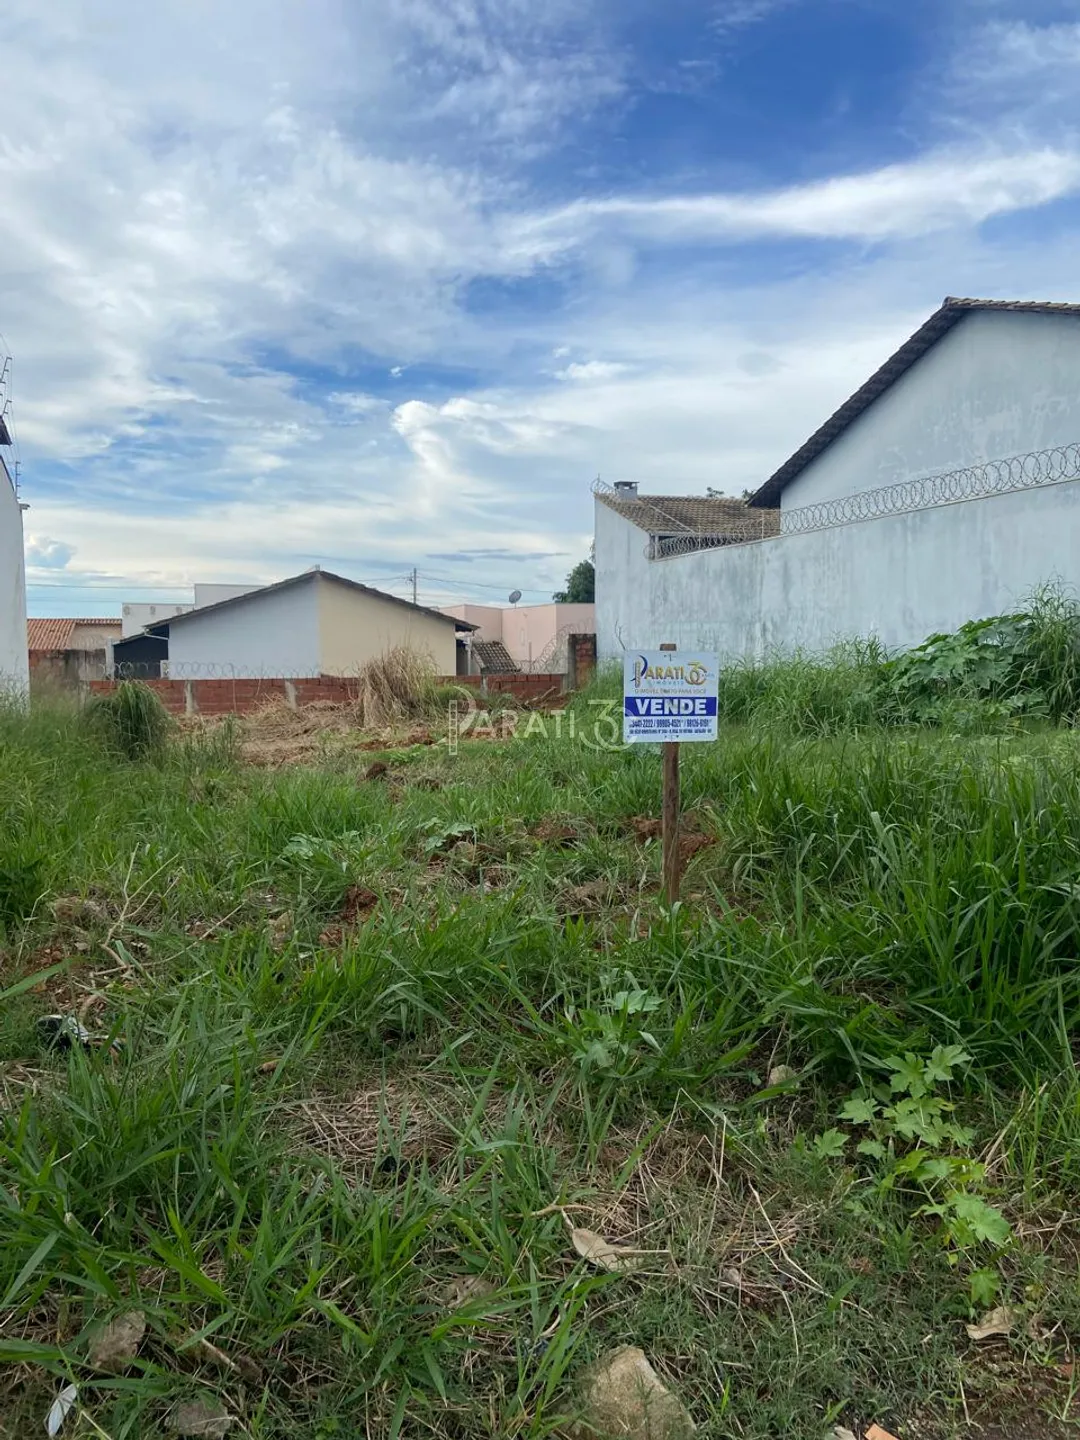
{"x":379,"y":1040}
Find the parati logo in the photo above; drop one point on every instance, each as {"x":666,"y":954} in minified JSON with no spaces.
{"x":646,"y":674}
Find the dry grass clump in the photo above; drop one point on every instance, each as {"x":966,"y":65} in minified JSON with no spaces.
{"x":396,"y":686}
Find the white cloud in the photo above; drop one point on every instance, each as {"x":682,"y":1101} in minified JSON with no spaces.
{"x":223,"y":229}
{"x":1006,"y":52}
{"x":733,"y":16}
{"x":591,"y":370}
{"x":44,"y":553}
{"x":357,"y":402}
{"x":939,"y":191}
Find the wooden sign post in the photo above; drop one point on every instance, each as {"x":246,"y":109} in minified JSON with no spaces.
{"x":668,"y":701}
{"x":669,"y":817}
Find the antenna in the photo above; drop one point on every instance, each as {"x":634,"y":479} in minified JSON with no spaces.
{"x":515,"y":596}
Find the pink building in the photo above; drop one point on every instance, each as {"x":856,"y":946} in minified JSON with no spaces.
{"x":533,"y":636}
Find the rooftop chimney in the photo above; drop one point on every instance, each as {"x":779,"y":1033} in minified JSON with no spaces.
{"x":627,"y":489}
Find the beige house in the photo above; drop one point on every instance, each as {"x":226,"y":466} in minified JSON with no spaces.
{"x":529,"y":637}
{"x":312,"y":624}
{"x":67,"y":652}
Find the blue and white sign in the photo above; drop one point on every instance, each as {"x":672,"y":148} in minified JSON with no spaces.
{"x":669,"y":696}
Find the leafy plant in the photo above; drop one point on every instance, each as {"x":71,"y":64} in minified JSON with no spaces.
{"x":909,"y":1132}
{"x":610,"y":1037}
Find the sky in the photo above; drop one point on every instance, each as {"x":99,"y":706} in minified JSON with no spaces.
{"x":386,"y":285}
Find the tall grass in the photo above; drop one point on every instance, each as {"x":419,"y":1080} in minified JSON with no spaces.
{"x":130,"y":720}
{"x":310,"y":1126}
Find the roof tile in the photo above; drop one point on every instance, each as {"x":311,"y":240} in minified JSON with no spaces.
{"x":49,"y":634}
{"x":55,"y":634}
{"x":693,"y":515}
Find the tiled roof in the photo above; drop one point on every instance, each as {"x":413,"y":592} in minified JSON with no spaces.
{"x":494,"y":657}
{"x":55,"y":634}
{"x":49,"y":634}
{"x":940,"y":323}
{"x":693,"y":515}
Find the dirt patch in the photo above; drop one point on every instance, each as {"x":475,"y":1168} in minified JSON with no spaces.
{"x":643,"y":827}
{"x":358,"y":904}
{"x":560,"y":834}
{"x":377,"y":1131}
{"x":79,"y":989}
{"x":593,"y":898}
{"x":277,"y":735}
{"x":692,"y":843}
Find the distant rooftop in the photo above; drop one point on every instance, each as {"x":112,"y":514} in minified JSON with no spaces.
{"x":55,"y":634}
{"x":671,"y":515}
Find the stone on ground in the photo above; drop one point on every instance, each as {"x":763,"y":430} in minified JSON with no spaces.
{"x":625,"y":1399}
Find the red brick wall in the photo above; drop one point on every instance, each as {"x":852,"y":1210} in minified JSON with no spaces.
{"x":582,"y":660}
{"x":240,"y":697}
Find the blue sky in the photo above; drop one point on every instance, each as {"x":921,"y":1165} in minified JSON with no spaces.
{"x":383,"y":285}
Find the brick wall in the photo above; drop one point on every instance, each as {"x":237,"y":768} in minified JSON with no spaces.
{"x":240,"y":697}
{"x":580,"y":660}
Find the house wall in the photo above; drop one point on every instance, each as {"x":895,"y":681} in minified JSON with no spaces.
{"x":530,"y":631}
{"x":14,"y":662}
{"x":135,"y":615}
{"x":273,"y":634}
{"x":997,"y":384}
{"x":139,"y":657}
{"x":900,"y":577}
{"x":93,"y":637}
{"x":213,"y":594}
{"x":69,"y":670}
{"x":488,"y":619}
{"x":354,"y":628}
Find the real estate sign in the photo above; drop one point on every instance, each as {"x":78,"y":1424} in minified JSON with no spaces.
{"x":669,"y":695}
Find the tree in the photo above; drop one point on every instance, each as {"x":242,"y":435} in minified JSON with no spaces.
{"x":580,"y":585}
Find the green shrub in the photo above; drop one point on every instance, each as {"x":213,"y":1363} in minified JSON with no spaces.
{"x":131,"y":721}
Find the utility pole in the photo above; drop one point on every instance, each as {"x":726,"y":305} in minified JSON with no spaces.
{"x":412,"y":577}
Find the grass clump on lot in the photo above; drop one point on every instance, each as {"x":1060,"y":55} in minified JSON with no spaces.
{"x":130,"y":720}
{"x":364,"y":1052}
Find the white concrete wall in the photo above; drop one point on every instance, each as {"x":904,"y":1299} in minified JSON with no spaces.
{"x":135,"y":615}
{"x":998,"y":384}
{"x":900,"y":577}
{"x":14,"y":660}
{"x":274,"y":634}
{"x":213,"y":594}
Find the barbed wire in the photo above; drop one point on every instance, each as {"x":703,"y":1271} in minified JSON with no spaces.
{"x":996,"y":477}
{"x":662,"y":547}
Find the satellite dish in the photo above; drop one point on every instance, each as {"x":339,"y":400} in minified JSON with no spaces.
{"x":515,"y":596}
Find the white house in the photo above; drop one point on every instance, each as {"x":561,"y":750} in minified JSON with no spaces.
{"x":946,"y":488}
{"x":14,"y":660}
{"x":138,"y":615}
{"x":312,"y":624}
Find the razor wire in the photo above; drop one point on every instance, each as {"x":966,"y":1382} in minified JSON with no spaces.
{"x":973,"y":482}
{"x":661,"y":547}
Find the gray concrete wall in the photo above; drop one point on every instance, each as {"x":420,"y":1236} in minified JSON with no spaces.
{"x":14,"y":658}
{"x":996,"y":385}
{"x":265,"y":635}
{"x":900,"y":577}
